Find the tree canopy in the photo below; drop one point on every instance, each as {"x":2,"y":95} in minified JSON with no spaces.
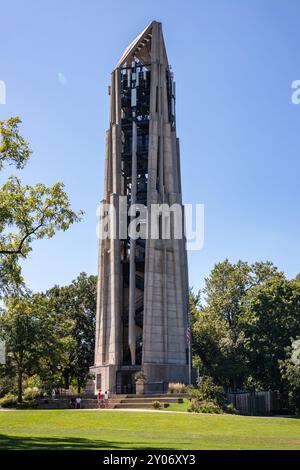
{"x":27,"y":212}
{"x":77,"y":302}
{"x":246,"y":321}
{"x":36,"y":338}
{"x":50,"y":335}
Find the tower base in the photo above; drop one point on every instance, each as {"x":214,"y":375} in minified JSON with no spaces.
{"x":121,"y":379}
{"x":160,"y":375}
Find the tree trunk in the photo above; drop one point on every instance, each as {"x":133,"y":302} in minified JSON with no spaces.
{"x":66,"y":380}
{"x":20,"y":386}
{"x":78,"y":385}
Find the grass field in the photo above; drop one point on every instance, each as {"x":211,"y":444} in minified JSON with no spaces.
{"x":179,"y":406}
{"x":55,"y":429}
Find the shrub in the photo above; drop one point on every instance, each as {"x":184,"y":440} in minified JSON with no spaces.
{"x":9,"y":401}
{"x":31,"y":393}
{"x":156,"y":405}
{"x":204,"y":406}
{"x":177,"y":388}
{"x":166,"y":405}
{"x":32,"y":404}
{"x":140,"y":376}
{"x":34,"y":381}
{"x":230,"y":409}
{"x":207,"y":391}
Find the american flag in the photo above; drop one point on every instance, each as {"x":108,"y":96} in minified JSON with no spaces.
{"x":188,"y":335}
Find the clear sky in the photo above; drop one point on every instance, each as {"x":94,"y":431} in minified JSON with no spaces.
{"x":234,"y":62}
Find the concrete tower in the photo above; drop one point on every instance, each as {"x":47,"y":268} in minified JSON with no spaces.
{"x":142,"y":311}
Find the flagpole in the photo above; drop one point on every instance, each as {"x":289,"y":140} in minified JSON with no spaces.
{"x":189,"y":342}
{"x":190,"y":365}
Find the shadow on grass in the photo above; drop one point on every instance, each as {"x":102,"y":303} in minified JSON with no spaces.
{"x":68,"y":443}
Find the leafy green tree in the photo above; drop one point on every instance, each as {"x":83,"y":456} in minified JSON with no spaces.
{"x":27,"y":212}
{"x":194,"y":304}
{"x":78,"y":303}
{"x":218,"y":338}
{"x":290,"y":373}
{"x":14,"y":150}
{"x":228,"y":283}
{"x":19,"y":330}
{"x":56,"y":343}
{"x":220,"y":350}
{"x":297,"y":278}
{"x":35,"y":338}
{"x":271,"y":318}
{"x":11,"y":280}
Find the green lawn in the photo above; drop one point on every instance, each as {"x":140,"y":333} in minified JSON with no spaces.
{"x":143,"y":430}
{"x":178,"y":406}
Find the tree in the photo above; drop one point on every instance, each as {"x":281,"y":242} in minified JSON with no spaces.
{"x":228,"y":283}
{"x":27,"y":212}
{"x":290,"y":373}
{"x":297,"y":278}
{"x":78,"y":303}
{"x":14,"y":150}
{"x":271,"y":318}
{"x":19,"y":330}
{"x":84,"y":316}
{"x":50,"y":335}
{"x":194,"y":304}
{"x":220,"y":349}
{"x":35,"y":338}
{"x":218,"y":338}
{"x":11,"y":280}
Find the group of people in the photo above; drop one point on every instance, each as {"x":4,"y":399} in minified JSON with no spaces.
{"x":103,"y":398}
{"x":75,"y":402}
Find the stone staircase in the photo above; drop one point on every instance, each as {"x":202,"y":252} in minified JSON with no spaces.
{"x":87,"y":402}
{"x":146,"y":401}
{"x":115,"y":402}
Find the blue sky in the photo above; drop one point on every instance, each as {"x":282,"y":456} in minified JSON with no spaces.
{"x":234,"y":62}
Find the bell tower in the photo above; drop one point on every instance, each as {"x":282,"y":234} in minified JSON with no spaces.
{"x":142,"y":308}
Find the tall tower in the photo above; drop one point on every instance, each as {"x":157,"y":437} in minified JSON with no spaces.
{"x":142,"y":309}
